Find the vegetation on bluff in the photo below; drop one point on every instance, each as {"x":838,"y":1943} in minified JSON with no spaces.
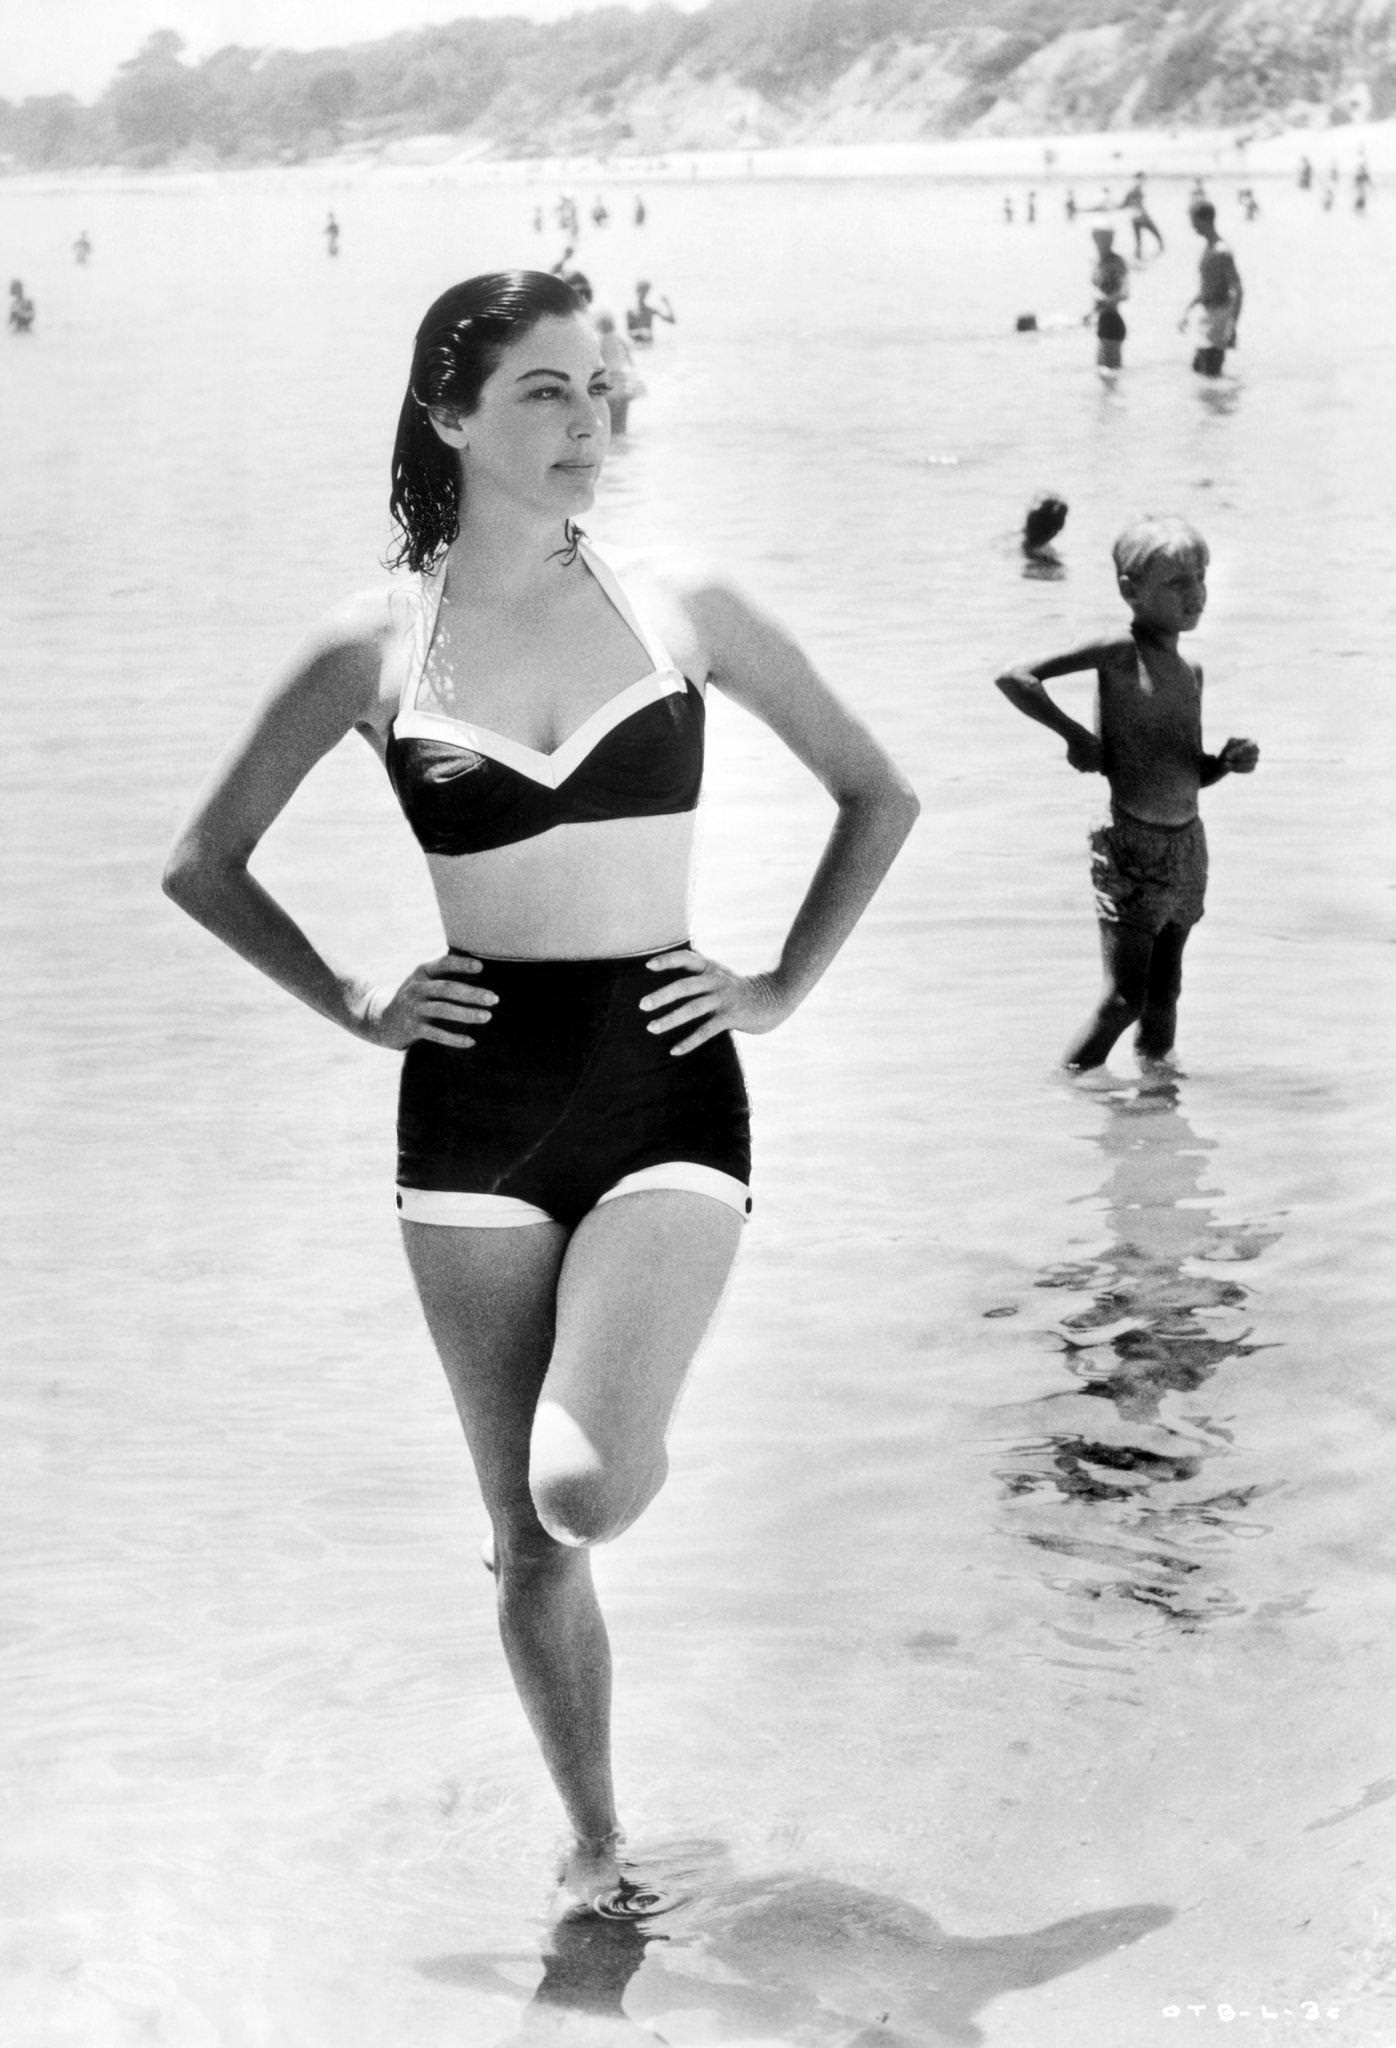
{"x":741,"y":73}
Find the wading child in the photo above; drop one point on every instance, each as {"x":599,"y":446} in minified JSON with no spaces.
{"x":1149,"y":864}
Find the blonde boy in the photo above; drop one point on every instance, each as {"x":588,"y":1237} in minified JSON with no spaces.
{"x":1149,"y":864}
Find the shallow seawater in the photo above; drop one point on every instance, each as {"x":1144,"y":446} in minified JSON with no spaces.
{"x":1008,"y":1659}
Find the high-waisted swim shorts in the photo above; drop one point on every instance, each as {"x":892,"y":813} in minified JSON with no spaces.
{"x":566,"y":1099}
{"x":1148,"y":875}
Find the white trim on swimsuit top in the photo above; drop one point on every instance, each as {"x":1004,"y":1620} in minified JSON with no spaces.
{"x":480,"y":1210}
{"x":549,"y":769}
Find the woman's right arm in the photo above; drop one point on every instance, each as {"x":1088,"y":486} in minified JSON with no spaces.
{"x":329,"y":689}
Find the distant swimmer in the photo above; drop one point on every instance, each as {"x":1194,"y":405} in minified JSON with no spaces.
{"x":598,"y":212}
{"x":1110,"y":279}
{"x":1361,"y":186}
{"x":1140,"y":219}
{"x":1219,"y":295}
{"x":1008,"y":212}
{"x":1149,"y":862}
{"x":640,"y":318}
{"x":537,"y":220}
{"x":1249,"y":204}
{"x":1070,"y":205}
{"x":1046,"y":516}
{"x":82,"y":247}
{"x":21,"y":308}
{"x":1032,"y":207}
{"x":331,"y":235}
{"x":1306,"y":174}
{"x":639,"y":211}
{"x":567,"y":270}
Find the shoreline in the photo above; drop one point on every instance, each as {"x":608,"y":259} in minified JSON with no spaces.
{"x":1048,"y":159}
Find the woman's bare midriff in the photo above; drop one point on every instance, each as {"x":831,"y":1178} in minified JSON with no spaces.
{"x":579,"y":892}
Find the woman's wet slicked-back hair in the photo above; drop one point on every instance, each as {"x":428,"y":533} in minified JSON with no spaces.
{"x":461,"y":339}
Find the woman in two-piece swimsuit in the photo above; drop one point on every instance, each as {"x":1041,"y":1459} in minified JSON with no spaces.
{"x":573,"y":1158}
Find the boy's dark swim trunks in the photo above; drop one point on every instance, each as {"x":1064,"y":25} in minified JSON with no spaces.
{"x":1148,"y":875}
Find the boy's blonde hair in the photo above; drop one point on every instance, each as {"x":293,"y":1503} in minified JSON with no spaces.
{"x":1144,"y":539}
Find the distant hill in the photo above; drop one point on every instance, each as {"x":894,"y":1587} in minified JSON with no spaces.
{"x":739,"y":74}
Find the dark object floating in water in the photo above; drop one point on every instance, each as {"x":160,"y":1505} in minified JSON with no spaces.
{"x":1026,"y":323}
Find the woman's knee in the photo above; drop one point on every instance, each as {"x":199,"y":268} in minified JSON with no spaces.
{"x":580,"y":1494}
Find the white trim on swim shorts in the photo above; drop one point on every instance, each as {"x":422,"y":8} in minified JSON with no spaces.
{"x":467,"y":1210}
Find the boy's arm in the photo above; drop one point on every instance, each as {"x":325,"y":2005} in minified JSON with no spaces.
{"x":1237,"y":756}
{"x":1023,"y":687}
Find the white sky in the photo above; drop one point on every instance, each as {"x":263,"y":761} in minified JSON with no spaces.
{"x":75,"y":45}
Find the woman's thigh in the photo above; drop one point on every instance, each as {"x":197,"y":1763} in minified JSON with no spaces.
{"x":489,"y":1297}
{"x":638,"y":1287}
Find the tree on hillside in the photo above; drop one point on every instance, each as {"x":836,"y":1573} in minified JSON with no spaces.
{"x":49,"y":133}
{"x":154,"y":100}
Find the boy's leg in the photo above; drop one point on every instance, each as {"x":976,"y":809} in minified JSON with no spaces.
{"x":1125,"y":954}
{"x":1158,"y":1022}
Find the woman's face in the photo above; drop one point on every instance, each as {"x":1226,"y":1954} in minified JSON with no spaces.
{"x":541,"y":429}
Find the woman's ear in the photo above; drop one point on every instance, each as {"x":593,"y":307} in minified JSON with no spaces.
{"x":450,"y":427}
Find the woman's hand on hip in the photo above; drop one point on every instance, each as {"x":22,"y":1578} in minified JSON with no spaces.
{"x":437,"y":1001}
{"x":711,"y":998}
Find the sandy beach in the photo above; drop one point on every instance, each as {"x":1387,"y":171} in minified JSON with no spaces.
{"x":1262,"y":150}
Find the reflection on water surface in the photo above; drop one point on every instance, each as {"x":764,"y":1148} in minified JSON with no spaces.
{"x":1160,"y":1324}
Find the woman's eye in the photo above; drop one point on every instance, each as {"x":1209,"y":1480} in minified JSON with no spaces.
{"x":602,"y":390}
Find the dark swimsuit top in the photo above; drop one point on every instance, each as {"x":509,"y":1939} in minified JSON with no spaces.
{"x":465,"y":789}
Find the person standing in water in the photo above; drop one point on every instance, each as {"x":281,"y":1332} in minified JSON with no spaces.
{"x":1149,"y":864}
{"x":22,"y":309}
{"x":620,"y":370}
{"x":1219,"y":294}
{"x":573,"y":1153}
{"x":640,"y":318}
{"x":1141,"y":220}
{"x":1110,"y":279}
{"x":82,"y":247}
{"x":331,"y":236}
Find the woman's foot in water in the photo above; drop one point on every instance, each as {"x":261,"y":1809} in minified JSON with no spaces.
{"x":589,"y":1876}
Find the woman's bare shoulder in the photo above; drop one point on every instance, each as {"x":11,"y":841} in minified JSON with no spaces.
{"x":689,"y":596}
{"x":368,"y":616}
{"x":667,"y":586}
{"x":357,"y":644}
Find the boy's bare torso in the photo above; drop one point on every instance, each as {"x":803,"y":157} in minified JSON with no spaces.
{"x":1149,"y":718}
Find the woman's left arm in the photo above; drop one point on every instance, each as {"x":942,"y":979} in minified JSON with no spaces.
{"x":754,"y":661}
